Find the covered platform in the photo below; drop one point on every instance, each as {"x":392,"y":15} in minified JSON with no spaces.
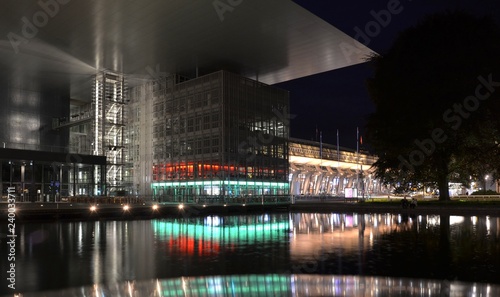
{"x":325,"y":170}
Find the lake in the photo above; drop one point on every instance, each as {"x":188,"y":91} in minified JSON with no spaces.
{"x":62,"y":255}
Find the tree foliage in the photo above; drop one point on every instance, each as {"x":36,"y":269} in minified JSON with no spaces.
{"x":437,"y":98}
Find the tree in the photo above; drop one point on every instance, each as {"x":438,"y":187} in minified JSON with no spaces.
{"x":437,"y":98}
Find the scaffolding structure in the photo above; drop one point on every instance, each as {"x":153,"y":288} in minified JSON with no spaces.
{"x":109,"y":106}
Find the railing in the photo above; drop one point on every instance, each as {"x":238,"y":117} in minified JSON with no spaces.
{"x":200,"y":200}
{"x":322,"y":198}
{"x":242,"y":199}
{"x":108,"y":200}
{"x":477,"y":197}
{"x":34,"y":147}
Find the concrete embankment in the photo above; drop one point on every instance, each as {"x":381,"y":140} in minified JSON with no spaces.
{"x":448,"y":208}
{"x":26,"y":212}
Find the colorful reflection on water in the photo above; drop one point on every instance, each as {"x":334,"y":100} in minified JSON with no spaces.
{"x":73,"y":254}
{"x":433,"y":246}
{"x":281,"y":285}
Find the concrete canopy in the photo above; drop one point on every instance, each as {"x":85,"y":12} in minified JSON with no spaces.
{"x":62,"y":41}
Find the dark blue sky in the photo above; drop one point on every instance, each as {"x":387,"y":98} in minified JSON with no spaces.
{"x":339,"y":99}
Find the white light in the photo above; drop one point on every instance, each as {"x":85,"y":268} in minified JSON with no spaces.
{"x":155,"y":206}
{"x":93,"y":208}
{"x":126,"y":207}
{"x":181,"y":206}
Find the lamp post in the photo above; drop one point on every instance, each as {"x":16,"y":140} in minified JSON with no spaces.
{"x":485,"y":182}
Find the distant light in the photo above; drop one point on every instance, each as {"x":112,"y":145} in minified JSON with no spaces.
{"x":126,"y":207}
{"x":181,"y":206}
{"x":204,"y":205}
{"x":155,"y":206}
{"x":93,"y":208}
{"x":224,"y":205}
{"x":244,"y":204}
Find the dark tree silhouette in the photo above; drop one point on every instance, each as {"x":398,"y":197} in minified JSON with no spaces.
{"x":437,"y":98}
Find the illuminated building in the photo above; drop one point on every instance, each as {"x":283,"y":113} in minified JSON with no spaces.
{"x":66,"y":68}
{"x":216,"y":135}
{"x":327,"y":170}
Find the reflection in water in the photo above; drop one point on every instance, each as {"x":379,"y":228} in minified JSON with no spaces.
{"x":73,"y":254}
{"x":206,"y":237}
{"x":433,"y":246}
{"x":282,"y":285}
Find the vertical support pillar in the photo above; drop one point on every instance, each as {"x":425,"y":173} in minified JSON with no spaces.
{"x":319,"y":182}
{"x":58,"y":195}
{"x":104,"y":188}
{"x":340,"y":184}
{"x":293,"y":184}
{"x":93,"y":185}
{"x":1,"y":177}
{"x":74,"y":179}
{"x":32,"y":187}
{"x":10,"y":172}
{"x":23,"y":170}
{"x":42,"y":191}
{"x":305,"y":186}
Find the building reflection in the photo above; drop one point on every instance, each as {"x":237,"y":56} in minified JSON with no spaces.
{"x":208,"y":235}
{"x":282,"y":285}
{"x":274,"y":250}
{"x":85,"y":252}
{"x":314,"y":234}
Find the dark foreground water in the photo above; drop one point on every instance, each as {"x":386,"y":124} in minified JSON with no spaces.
{"x":53,"y":256}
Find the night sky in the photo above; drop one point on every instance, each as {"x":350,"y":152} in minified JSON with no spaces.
{"x":339,"y":99}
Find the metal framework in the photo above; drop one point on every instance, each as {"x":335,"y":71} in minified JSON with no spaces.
{"x":108,"y":130}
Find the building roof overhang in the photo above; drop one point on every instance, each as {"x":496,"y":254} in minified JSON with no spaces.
{"x":66,"y":41}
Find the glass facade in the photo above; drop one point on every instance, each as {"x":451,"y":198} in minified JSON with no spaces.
{"x":44,"y":181}
{"x":217,"y":135}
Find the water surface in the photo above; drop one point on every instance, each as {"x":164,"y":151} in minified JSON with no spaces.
{"x":52,"y":256}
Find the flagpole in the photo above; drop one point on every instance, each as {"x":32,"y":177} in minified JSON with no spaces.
{"x":320,"y":158}
{"x":357,"y":161}
{"x":338,"y":150}
{"x":338,"y":163}
{"x":357,"y":141}
{"x":321,"y":145}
